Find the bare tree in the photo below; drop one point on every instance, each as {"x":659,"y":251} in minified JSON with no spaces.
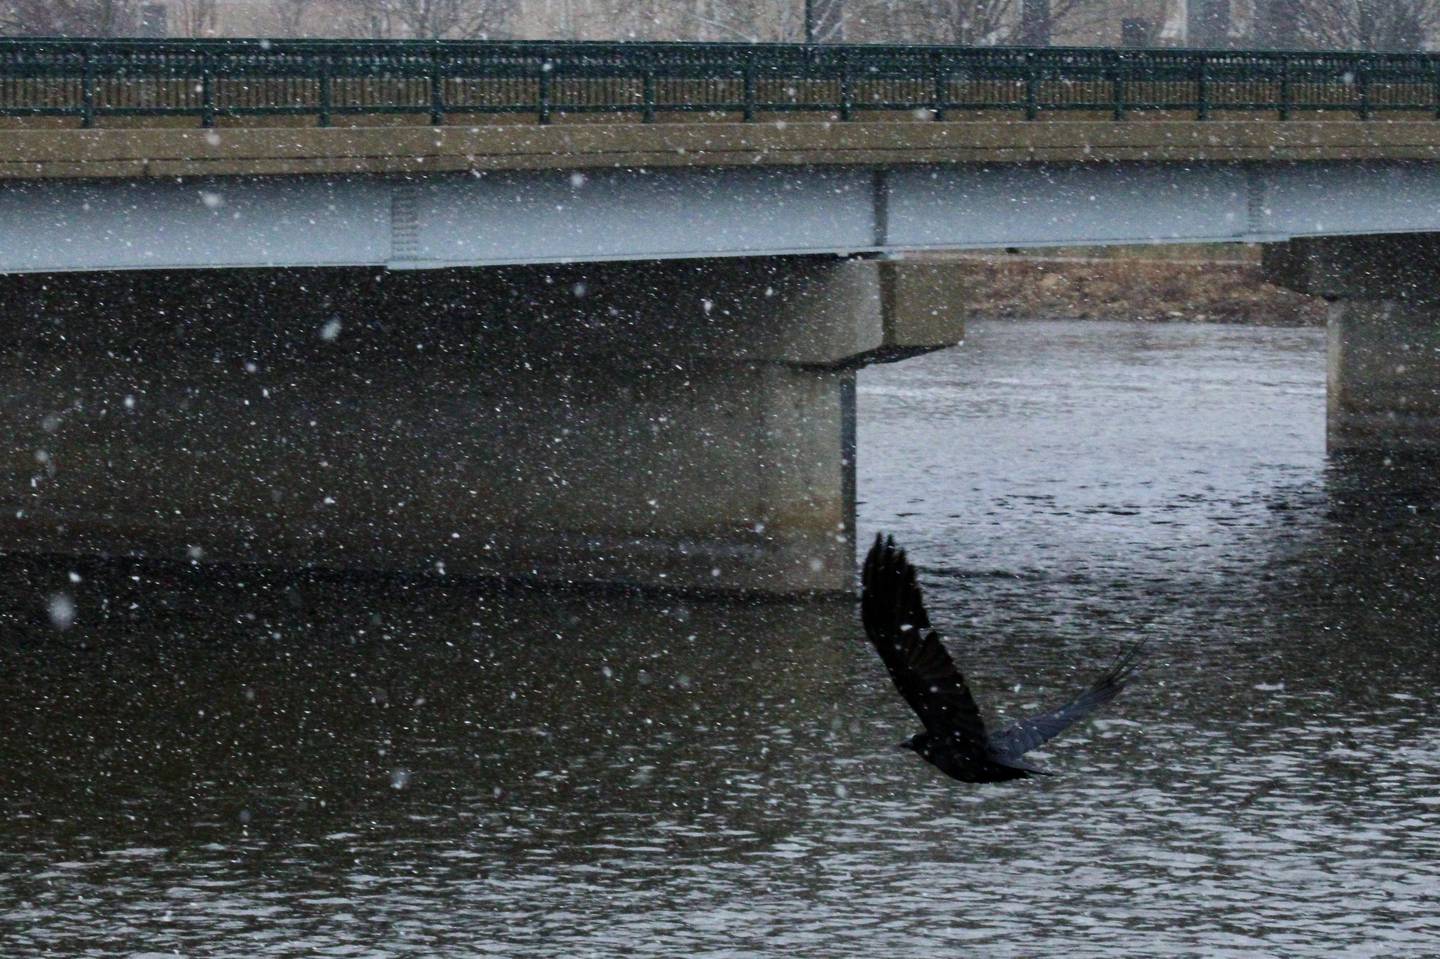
{"x":938,"y":21}
{"x":194,"y":18}
{"x":982,"y":22}
{"x":828,"y":21}
{"x":736,"y":21}
{"x":1275,"y":24}
{"x":1130,"y":23}
{"x":632,"y":19}
{"x":453,"y":19}
{"x":1380,"y":25}
{"x":739,"y":21}
{"x":288,"y":18}
{"x":68,"y":18}
{"x":716,"y":20}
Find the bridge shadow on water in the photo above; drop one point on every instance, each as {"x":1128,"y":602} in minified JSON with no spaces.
{"x":1358,"y":583}
{"x":207,"y":740}
{"x":1328,"y":672}
{"x":208,"y":700}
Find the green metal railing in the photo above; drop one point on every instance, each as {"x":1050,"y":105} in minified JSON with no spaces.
{"x":213,"y":79}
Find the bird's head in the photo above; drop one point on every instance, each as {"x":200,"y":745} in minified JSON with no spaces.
{"x":911,"y":744}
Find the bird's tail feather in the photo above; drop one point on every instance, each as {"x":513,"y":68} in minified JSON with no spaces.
{"x":1015,"y":762}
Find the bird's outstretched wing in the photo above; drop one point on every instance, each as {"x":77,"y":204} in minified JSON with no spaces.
{"x":1025,"y":735}
{"x":896,"y":622}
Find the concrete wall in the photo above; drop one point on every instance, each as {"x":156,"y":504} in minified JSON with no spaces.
{"x":665,"y":424}
{"x":1384,"y":336}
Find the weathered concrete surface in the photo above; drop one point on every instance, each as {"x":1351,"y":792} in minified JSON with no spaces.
{"x":1394,"y":266}
{"x":1384,"y":378}
{"x":255,"y":151}
{"x":665,"y":424}
{"x":1384,"y":336}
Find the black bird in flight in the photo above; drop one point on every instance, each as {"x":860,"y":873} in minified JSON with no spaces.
{"x":955,"y":739}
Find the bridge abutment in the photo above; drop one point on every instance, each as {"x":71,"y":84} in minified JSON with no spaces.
{"x":683,"y":424}
{"x":1384,"y":336}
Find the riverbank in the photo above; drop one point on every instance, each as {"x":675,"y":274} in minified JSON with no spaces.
{"x":1165,"y":285}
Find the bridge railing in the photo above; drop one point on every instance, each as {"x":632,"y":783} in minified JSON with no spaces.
{"x":445,"y":81}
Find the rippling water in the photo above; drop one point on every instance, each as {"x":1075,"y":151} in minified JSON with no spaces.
{"x":222,"y":764}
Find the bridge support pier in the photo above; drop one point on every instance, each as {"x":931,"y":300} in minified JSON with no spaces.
{"x":682,"y":424}
{"x":1384,"y":336}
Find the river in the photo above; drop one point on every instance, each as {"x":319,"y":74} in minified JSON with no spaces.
{"x":237,"y":764}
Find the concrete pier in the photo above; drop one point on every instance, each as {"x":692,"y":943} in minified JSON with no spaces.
{"x":1384,"y":336}
{"x":682,"y":424}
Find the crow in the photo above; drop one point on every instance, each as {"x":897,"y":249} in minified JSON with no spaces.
{"x":955,"y":739}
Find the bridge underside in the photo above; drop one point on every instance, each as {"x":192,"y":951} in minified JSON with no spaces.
{"x":102,"y":201}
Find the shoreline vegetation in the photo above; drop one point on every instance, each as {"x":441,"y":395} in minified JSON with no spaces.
{"x":1165,"y":284}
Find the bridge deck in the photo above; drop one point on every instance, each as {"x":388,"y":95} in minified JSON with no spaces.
{"x":130,"y":153}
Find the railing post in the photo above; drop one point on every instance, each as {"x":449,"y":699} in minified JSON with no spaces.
{"x":1202,"y":87}
{"x":1362,"y":82}
{"x":940,"y":82}
{"x":847,"y":93}
{"x":648,"y":92}
{"x":1032,"y":86}
{"x":207,"y":91}
{"x":749,"y":85}
{"x":327,"y":93}
{"x":1117,"y":92}
{"x":1285,"y":89}
{"x":547,"y":67}
{"x":1436,"y":94}
{"x":87,"y":88}
{"x":437,"y":88}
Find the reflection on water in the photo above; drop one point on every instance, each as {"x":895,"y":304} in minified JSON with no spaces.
{"x":225,"y":764}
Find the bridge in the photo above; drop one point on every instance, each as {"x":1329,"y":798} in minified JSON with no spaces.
{"x":592,"y":312}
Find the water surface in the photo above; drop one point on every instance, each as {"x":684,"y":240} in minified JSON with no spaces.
{"x":224,"y":764}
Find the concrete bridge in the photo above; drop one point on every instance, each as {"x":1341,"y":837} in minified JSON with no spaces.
{"x":614,"y":340}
